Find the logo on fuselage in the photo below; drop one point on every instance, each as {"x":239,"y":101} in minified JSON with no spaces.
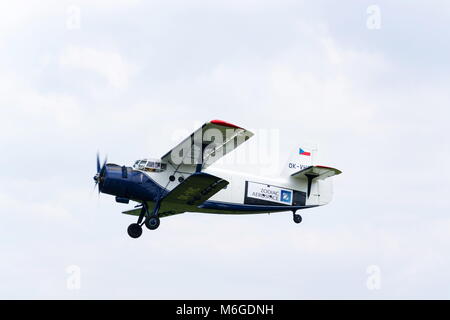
{"x":286,"y":196}
{"x":269,"y":193}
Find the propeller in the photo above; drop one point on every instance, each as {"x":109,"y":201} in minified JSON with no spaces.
{"x":100,"y":171}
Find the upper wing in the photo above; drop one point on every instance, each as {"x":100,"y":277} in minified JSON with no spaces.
{"x":318,"y":172}
{"x":208,"y":144}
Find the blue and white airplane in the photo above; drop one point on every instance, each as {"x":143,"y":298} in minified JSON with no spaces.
{"x":184,"y":180}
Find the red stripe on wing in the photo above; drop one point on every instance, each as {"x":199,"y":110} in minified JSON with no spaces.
{"x":225,"y":124}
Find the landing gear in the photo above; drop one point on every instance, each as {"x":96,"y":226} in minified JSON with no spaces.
{"x":134,"y":230}
{"x":297,"y":218}
{"x":152,"y":222}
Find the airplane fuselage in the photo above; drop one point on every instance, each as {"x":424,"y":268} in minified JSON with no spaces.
{"x":245,"y":193}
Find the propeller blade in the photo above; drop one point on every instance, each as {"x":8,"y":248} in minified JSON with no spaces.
{"x":104,"y":163}
{"x":98,"y":162}
{"x":100,"y":172}
{"x":95,"y":187}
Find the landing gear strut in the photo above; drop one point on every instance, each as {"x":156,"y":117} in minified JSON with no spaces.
{"x":297,"y":217}
{"x":151,"y":221}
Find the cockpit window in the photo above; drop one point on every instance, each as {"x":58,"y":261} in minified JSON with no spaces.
{"x":150,"y":165}
{"x":142,"y":164}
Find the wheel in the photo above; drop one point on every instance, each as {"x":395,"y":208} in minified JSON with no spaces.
{"x":152,"y":223}
{"x":297,"y":218}
{"x":134,"y":230}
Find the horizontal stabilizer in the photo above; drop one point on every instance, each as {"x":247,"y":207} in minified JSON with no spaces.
{"x":315,"y":172}
{"x":318,"y":172}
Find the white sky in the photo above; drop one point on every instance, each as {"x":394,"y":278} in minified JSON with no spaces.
{"x":137,"y":73}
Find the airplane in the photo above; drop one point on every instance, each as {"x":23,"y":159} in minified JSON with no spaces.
{"x":185,"y":180}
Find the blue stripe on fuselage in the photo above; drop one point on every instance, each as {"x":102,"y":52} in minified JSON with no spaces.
{"x":227,"y":206}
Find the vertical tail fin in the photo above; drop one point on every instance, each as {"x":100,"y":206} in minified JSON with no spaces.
{"x":301,"y":158}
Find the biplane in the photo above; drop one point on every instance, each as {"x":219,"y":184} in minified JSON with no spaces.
{"x":186,"y":180}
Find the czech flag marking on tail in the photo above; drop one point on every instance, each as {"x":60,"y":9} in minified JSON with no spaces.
{"x":304,"y":153}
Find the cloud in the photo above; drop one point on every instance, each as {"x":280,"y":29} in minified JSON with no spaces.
{"x":296,"y":69}
{"x":110,"y":65}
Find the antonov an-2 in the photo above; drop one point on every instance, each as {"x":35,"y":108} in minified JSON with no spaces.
{"x":184,"y":180}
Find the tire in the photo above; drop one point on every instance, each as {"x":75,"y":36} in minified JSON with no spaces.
{"x":134,"y":230}
{"x":152,"y":223}
{"x":297,"y":218}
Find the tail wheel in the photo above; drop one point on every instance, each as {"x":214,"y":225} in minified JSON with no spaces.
{"x":297,"y":218}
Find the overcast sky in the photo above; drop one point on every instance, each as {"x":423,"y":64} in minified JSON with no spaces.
{"x":369,"y":85}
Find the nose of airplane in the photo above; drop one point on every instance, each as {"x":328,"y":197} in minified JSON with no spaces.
{"x":114,"y":181}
